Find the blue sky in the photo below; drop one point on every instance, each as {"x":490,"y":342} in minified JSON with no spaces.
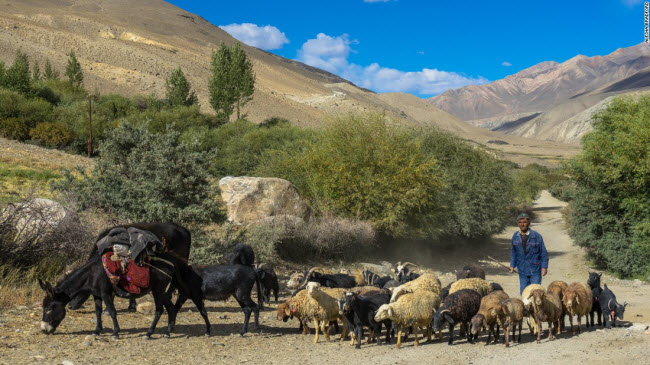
{"x":427,"y":47}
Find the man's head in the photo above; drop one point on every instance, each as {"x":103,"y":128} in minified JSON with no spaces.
{"x":523,"y":221}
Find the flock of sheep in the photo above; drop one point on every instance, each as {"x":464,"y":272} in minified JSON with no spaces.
{"x":412,"y":302}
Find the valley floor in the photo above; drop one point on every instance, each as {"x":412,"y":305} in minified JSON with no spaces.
{"x":22,"y":342}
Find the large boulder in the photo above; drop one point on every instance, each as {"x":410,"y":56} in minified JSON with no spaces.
{"x":34,"y":220}
{"x":249,"y":199}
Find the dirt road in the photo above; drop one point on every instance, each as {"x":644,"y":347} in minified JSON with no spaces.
{"x":22,"y":342}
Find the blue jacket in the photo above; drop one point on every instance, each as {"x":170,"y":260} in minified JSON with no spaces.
{"x":534,"y":260}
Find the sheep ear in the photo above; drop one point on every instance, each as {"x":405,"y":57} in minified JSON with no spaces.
{"x":390,"y":311}
{"x":448,"y":318}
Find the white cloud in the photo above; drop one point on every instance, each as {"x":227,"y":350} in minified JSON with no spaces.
{"x":331,"y":54}
{"x":506,"y":63}
{"x":631,"y":3}
{"x":420,"y":52}
{"x":267,"y":37}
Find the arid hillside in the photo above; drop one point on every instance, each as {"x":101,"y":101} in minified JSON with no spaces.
{"x":130,"y":47}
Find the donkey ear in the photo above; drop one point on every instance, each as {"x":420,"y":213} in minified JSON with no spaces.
{"x":46,"y":286}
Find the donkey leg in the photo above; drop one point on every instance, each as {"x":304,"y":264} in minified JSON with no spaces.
{"x":171,"y":314}
{"x":98,"y":314}
{"x":159,"y":308}
{"x":133,"y":306}
{"x":110,"y":308}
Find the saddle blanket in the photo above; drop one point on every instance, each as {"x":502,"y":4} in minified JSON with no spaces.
{"x":130,"y":277}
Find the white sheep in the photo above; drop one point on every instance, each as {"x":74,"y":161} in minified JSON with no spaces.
{"x":322,"y":307}
{"x":410,"y":310}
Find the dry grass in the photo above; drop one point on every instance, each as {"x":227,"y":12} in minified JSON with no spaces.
{"x":20,"y":286}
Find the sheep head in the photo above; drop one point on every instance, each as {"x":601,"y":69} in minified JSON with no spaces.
{"x":569,"y":297}
{"x":439,"y":319}
{"x":284,"y":312}
{"x":313,"y":288}
{"x":384,"y":312}
{"x":620,"y":310}
{"x":295,"y":279}
{"x":402,"y":269}
{"x":502,"y":314}
{"x":477,"y":324}
{"x":538,"y":297}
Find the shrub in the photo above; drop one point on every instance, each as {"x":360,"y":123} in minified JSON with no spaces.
{"x":611,"y":202}
{"x":14,"y":128}
{"x":292,"y":239}
{"x":55,"y":134}
{"x":478,"y":187}
{"x":365,"y":167}
{"x":142,"y":176}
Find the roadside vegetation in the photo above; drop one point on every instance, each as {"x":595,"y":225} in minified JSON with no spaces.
{"x":368,"y":179}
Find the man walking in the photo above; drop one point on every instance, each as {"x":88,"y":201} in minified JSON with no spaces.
{"x":528,"y":254}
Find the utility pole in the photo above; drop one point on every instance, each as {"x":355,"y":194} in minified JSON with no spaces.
{"x":90,"y":125}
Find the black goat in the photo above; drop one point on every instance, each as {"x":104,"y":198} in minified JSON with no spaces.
{"x":241,"y":255}
{"x":405,"y":278}
{"x":445,"y":291}
{"x":327,"y":280}
{"x":219,"y":282}
{"x":373,"y":279}
{"x":391,"y":284}
{"x":269,"y":282}
{"x":610,"y":307}
{"x":496,"y":286}
{"x":361,"y":312}
{"x":596,"y":291}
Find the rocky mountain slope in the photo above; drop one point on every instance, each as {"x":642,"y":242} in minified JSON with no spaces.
{"x":129,"y":47}
{"x":545,"y":101}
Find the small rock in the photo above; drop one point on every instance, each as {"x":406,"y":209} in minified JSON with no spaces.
{"x":646,"y":333}
{"x":223,"y":317}
{"x":145,"y":308}
{"x":218,"y":343}
{"x":87,"y":343}
{"x":67,"y":362}
{"x":93,"y":320}
{"x":90,"y":338}
{"x":32,"y":315}
{"x":17,"y":329}
{"x":21,"y":307}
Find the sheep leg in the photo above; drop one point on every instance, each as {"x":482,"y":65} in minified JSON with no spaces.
{"x":579,"y":324}
{"x":559,"y":326}
{"x":345,"y":329}
{"x":507,"y":334}
{"x":326,"y":333}
{"x":538,"y":327}
{"x":316,"y":326}
{"x":550,"y":330}
{"x":451,"y":334}
{"x":415,"y":333}
{"x":490,"y":331}
{"x":496,"y":334}
{"x":359,"y":334}
{"x":399,"y":337}
{"x":571,"y":324}
{"x":429,"y":333}
{"x":521,"y":324}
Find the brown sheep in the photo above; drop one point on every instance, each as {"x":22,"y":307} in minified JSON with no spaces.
{"x":487,"y":315}
{"x":528,"y":306}
{"x":547,"y":307}
{"x":557,"y":287}
{"x":577,"y":301}
{"x":511,"y":313}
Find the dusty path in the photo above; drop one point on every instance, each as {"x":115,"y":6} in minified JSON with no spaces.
{"x":21,"y":342}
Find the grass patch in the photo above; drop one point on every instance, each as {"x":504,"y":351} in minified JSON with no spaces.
{"x":16,"y":181}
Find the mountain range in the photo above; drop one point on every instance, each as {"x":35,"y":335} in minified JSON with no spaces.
{"x":550,"y":100}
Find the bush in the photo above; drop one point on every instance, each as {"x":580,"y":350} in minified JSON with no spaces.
{"x":364,"y":167}
{"x":55,"y":134}
{"x":141,"y":176}
{"x":14,"y":128}
{"x":610,"y":209}
{"x":292,"y":239}
{"x":478,"y":187}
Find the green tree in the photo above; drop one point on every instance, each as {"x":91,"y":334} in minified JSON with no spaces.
{"x":232,"y":83}
{"x":3,"y":74}
{"x":50,"y":73}
{"x":18,"y":77}
{"x":36,"y":72}
{"x":242,"y":76}
{"x":73,"y":70}
{"x":144,"y":176}
{"x":178,"y":89}
{"x":610,"y":209}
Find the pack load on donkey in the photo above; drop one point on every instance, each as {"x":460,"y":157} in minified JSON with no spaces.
{"x":126,"y":253}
